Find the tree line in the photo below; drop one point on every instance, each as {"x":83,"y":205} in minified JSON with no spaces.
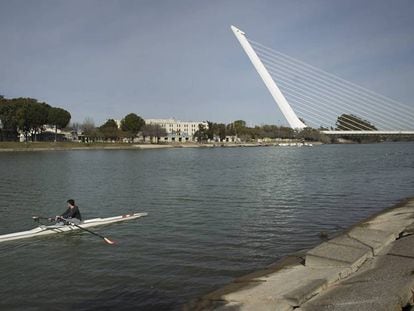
{"x":130,"y":126}
{"x":29,"y":116}
{"x":219,"y":131}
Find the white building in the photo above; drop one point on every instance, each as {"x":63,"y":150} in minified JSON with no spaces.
{"x":177,"y":130}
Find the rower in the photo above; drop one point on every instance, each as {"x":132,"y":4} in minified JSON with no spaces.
{"x":72,"y":213}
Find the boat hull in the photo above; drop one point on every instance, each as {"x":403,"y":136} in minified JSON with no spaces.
{"x":47,"y":230}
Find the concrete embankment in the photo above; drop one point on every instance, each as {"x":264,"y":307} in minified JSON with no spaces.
{"x":370,"y":266}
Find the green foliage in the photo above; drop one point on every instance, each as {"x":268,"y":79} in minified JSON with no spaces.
{"x":239,"y":124}
{"x":221,"y":131}
{"x":25,"y":114}
{"x":153,"y":130}
{"x":58,"y":117}
{"x":311,"y":134}
{"x":29,"y":116}
{"x":132,"y":124}
{"x":110,"y":123}
{"x":8,"y":114}
{"x":8,"y":129}
{"x":89,"y":130}
{"x":109,"y":130}
{"x":216,"y":130}
{"x":230,"y":130}
{"x":201,"y":134}
{"x":238,"y":128}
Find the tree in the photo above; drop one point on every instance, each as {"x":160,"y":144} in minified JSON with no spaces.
{"x":8,"y":119}
{"x":87,"y":126}
{"x":211,"y":128}
{"x":240,"y":129}
{"x":29,"y":115}
{"x":110,"y":130}
{"x":201,"y":134}
{"x":230,"y":130}
{"x":239,"y":126}
{"x":216,"y":130}
{"x":75,"y":126}
{"x":350,"y":122}
{"x":38,"y":114}
{"x":311,"y":134}
{"x":153,"y":130}
{"x":59,"y":118}
{"x":89,"y":130}
{"x":132,"y":124}
{"x":221,"y":131}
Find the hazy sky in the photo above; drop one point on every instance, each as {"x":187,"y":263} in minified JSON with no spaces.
{"x":104,"y":59}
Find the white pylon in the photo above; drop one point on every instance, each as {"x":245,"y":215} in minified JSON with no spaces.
{"x":274,"y":90}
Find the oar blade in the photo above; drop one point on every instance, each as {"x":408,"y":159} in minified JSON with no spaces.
{"x":109,"y":241}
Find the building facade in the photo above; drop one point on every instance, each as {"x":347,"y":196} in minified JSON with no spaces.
{"x":177,"y":131}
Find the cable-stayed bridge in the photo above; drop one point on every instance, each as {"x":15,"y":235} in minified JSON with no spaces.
{"x":310,"y":97}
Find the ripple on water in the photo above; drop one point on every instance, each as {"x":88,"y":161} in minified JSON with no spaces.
{"x":214,"y":214}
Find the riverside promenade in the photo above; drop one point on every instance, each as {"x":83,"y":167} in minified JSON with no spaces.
{"x":370,"y":266}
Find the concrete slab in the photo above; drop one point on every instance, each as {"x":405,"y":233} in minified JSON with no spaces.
{"x":403,"y":247}
{"x":409,"y":229}
{"x":393,"y":221}
{"x":335,"y":255}
{"x":303,"y":293}
{"x":394,"y":226}
{"x":365,"y":268}
{"x":386,"y":269}
{"x":384,"y":295}
{"x":303,"y":273}
{"x":387,"y":285}
{"x":377,"y":239}
{"x":398,"y":213}
{"x":293,"y":284}
{"x":373,"y":305}
{"x":345,"y":240}
{"x":257,"y":305}
{"x":273,"y":285}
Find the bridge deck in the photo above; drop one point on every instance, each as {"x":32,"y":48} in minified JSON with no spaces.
{"x":368,"y":132}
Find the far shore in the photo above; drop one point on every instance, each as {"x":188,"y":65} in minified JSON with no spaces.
{"x":52,"y":146}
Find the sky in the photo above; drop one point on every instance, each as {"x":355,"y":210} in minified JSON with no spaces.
{"x":178,"y":58}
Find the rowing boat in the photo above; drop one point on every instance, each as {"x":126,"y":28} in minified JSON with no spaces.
{"x":46,"y":230}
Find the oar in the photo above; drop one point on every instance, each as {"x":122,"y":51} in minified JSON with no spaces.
{"x":37,"y":218}
{"x":82,"y":228}
{"x":87,"y":230}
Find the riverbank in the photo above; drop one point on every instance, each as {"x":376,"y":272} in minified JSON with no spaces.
{"x":52,"y":146}
{"x":370,"y":266}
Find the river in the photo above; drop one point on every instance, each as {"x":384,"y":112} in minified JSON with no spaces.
{"x":213,"y":214}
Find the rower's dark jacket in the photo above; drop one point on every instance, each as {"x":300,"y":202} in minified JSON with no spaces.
{"x":72,"y":213}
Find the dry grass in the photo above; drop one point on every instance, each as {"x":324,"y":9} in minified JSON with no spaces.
{"x":57,"y":145}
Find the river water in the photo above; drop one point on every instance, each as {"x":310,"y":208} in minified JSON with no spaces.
{"x":214,"y":214}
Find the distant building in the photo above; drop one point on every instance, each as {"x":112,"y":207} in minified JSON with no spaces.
{"x":177,"y":131}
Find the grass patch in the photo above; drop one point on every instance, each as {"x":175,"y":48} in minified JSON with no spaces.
{"x":58,"y":145}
